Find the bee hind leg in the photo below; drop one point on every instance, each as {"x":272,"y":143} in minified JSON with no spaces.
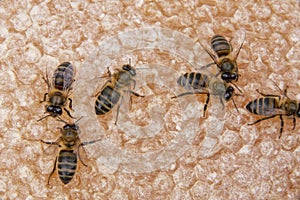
{"x":206,"y":104}
{"x":135,"y":94}
{"x":69,"y":114}
{"x":262,"y":119}
{"x":186,"y":93}
{"x":54,"y":168}
{"x":70,"y":103}
{"x":294,"y":123}
{"x":45,"y":97}
{"x":281,"y":127}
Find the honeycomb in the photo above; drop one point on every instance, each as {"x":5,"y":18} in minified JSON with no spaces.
{"x":161,"y":148}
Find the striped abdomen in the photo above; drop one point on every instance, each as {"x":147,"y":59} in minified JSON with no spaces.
{"x":67,"y":164}
{"x":220,"y":45}
{"x":106,"y":100}
{"x":63,"y":76}
{"x":194,"y":80}
{"x":263,"y":106}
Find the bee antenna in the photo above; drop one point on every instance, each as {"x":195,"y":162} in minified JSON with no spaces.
{"x":141,"y":68}
{"x":237,"y":87}
{"x":235,"y":105}
{"x":43,"y":118}
{"x":61,"y":120}
{"x":78,"y":119}
{"x":129,"y":62}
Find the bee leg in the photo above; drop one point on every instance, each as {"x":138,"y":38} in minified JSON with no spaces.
{"x":262,"y":119}
{"x":45,"y":96}
{"x":281,"y":126}
{"x":294,"y":123}
{"x":43,"y":118}
{"x":54,"y":168}
{"x":185,"y":93}
{"x":108,"y":74}
{"x":206,"y":104}
{"x":236,"y":87}
{"x":235,"y":105}
{"x":136,"y":94}
{"x":205,"y":66}
{"x":70,"y":103}
{"x":68,"y":112}
{"x":52,"y":143}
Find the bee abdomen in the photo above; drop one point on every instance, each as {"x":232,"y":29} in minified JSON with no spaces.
{"x":106,"y":100}
{"x":193,"y":79}
{"x":63,"y":76}
{"x":67,"y":164}
{"x":261,"y":106}
{"x":220,"y":45}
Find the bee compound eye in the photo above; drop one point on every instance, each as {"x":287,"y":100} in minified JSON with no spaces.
{"x":126,"y":67}
{"x":298,"y":111}
{"x":74,"y":127}
{"x":227,"y":76}
{"x":227,"y":96}
{"x":228,"y":93}
{"x":50,"y":108}
{"x":66,"y":127}
{"x":58,"y":111}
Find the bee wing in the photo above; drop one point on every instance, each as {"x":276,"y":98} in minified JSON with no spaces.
{"x":205,"y":44}
{"x":237,"y":42}
{"x":51,"y":148}
{"x":269,"y":112}
{"x":82,"y":154}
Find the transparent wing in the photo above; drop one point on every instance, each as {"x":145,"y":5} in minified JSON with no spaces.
{"x":50,"y":147}
{"x":269,"y":112}
{"x":81,"y":151}
{"x":237,"y":42}
{"x":205,"y":44}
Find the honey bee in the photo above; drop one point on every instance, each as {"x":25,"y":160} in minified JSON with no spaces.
{"x":274,"y":105}
{"x":199,"y":83}
{"x":113,"y":90}
{"x":58,"y":90}
{"x":224,"y":56}
{"x":69,"y":144}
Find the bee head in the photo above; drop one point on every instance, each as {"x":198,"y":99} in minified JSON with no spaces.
{"x":129,"y":69}
{"x":54,"y":110}
{"x":70,"y":133}
{"x":73,"y":127}
{"x":228,"y":93}
{"x":228,"y":76}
